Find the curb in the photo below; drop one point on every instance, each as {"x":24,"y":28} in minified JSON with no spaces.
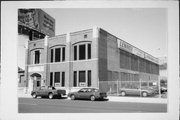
{"x":121,"y":99}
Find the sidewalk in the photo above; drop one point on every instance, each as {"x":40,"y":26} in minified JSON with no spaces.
{"x":120,"y":99}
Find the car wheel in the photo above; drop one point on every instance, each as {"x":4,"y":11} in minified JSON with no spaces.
{"x":144,"y":94}
{"x":50,"y":95}
{"x":73,"y":97}
{"x":123,"y":93}
{"x":34,"y":95}
{"x":92,"y":98}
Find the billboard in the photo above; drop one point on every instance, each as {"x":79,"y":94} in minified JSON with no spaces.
{"x":37,"y":19}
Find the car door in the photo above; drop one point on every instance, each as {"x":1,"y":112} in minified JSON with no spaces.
{"x":82,"y":93}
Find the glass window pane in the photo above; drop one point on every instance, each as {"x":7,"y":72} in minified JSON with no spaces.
{"x":37,"y":57}
{"x":57,"y":77}
{"x":75,"y":52}
{"x":52,"y":51}
{"x":89,"y":78}
{"x":63,"y":79}
{"x":82,"y":76}
{"x":63,"y":54}
{"x":89,"y":51}
{"x":51,"y":79}
{"x":57,"y":54}
{"x":75,"y":79}
{"x":82,"y":52}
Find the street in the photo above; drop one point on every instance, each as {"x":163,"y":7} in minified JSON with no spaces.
{"x":44,"y":105}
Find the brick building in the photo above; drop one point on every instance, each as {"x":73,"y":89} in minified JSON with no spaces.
{"x":88,"y":58}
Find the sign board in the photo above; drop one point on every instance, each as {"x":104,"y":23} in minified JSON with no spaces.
{"x":129,"y":48}
{"x":46,"y":23}
{"x":37,"y":19}
{"x":138,"y":52}
{"x":124,"y":45}
{"x":57,"y":85}
{"x":82,"y":84}
{"x":151,"y":58}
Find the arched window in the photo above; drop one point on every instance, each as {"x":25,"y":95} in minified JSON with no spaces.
{"x":82,"y":50}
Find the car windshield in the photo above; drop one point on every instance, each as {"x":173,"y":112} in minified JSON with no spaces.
{"x":95,"y":90}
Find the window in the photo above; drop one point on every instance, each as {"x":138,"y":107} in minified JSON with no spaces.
{"x":89,"y":51}
{"x":57,"y":54}
{"x":82,"y":76}
{"x":82,"y":52}
{"x":57,"y":77}
{"x":89,"y":78}
{"x":37,"y":57}
{"x":75,"y":79}
{"x":63,"y":54}
{"x":63,"y":79}
{"x":75,"y":52}
{"x":52,"y":54}
{"x":85,"y":36}
{"x":51,"y":79}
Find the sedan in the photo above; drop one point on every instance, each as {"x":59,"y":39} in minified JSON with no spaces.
{"x":87,"y":93}
{"x":143,"y":92}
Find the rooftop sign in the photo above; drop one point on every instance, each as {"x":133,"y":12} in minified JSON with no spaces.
{"x":37,"y":19}
{"x":129,"y":48}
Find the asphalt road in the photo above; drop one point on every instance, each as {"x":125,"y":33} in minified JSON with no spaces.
{"x":43,"y":105}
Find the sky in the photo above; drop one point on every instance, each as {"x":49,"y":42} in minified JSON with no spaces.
{"x":145,"y":28}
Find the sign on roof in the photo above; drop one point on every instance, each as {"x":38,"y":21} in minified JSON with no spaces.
{"x":37,"y":19}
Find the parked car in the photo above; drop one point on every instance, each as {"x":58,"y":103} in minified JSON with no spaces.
{"x":88,"y":93}
{"x":48,"y":91}
{"x":143,"y":91}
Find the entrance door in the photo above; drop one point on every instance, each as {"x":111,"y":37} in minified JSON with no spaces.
{"x":36,"y":80}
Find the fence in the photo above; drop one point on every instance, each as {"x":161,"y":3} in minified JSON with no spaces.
{"x":115,"y":87}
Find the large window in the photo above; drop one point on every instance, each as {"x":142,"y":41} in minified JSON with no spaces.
{"x":58,"y":54}
{"x":57,"y":77}
{"x":37,"y":57}
{"x":82,"y":52}
{"x":82,"y":76}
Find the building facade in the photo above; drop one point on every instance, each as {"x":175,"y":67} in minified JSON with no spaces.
{"x":88,"y":58}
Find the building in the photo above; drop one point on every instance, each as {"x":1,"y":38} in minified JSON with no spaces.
{"x":33,"y":24}
{"x":89,"y":58}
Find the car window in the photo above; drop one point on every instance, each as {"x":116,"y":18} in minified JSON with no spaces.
{"x":83,"y":90}
{"x":89,"y":90}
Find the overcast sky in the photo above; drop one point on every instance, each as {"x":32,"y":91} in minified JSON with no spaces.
{"x":145,"y":28}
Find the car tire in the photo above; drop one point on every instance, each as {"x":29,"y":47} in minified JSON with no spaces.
{"x":73,"y":97}
{"x":144,"y":94}
{"x":34,"y":95}
{"x":50,"y":95}
{"x":92,"y":98}
{"x":123,"y":93}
